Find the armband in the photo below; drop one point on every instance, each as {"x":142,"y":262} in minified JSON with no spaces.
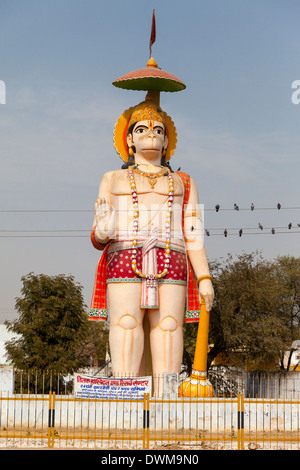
{"x":201,"y":278}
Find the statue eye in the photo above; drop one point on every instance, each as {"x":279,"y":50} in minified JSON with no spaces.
{"x":159,"y":130}
{"x":141,"y":130}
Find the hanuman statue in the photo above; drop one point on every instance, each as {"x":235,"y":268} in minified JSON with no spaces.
{"x":148,"y":223}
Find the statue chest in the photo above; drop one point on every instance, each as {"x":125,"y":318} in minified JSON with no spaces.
{"x":150,"y":187}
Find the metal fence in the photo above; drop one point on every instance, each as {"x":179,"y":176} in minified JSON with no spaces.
{"x":226,"y":381}
{"x":149,"y":423}
{"x":43,"y":413}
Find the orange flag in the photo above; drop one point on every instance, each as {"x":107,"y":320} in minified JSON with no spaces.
{"x":153,"y":32}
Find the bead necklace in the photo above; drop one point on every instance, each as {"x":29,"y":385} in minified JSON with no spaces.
{"x":152,"y":177}
{"x":136,"y":223}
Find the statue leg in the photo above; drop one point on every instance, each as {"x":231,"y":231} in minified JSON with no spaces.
{"x":166,"y":333}
{"x":126,"y":334}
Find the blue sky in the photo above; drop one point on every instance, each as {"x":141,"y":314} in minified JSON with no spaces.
{"x":238,"y":130}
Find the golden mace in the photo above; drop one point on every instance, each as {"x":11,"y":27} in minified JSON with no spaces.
{"x":198,"y":385}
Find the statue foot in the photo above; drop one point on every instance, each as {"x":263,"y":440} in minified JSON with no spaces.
{"x":196,"y":386}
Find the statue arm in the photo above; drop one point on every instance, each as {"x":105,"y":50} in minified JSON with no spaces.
{"x":194,"y":238}
{"x":104,"y":219}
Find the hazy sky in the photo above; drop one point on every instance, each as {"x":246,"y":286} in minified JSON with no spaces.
{"x":238,"y":129}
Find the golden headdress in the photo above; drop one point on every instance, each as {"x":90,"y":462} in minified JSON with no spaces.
{"x":147,"y":111}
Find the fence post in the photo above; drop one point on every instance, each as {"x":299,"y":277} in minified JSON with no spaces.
{"x":51,"y":419}
{"x":146,"y":421}
{"x":240,"y":421}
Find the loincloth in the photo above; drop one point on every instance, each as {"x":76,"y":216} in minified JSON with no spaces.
{"x":119,"y":269}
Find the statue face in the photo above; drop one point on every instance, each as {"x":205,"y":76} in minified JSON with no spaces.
{"x":148,"y":138}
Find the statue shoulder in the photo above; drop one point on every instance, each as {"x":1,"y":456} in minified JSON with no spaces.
{"x":190,"y":188}
{"x":184,"y":177}
{"x":109,"y":175}
{"x":112,"y":179}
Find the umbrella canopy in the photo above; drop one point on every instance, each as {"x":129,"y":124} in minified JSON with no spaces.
{"x":150,"y":78}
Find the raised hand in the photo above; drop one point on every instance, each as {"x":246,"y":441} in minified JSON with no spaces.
{"x":104,"y":218}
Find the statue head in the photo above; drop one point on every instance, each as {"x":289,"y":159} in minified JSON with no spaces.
{"x":146,"y":135}
{"x":145,"y":131}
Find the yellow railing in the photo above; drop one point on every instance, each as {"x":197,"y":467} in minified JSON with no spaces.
{"x":281,"y":426}
{"x":90,"y":421}
{"x":62,"y":421}
{"x":18,"y":420}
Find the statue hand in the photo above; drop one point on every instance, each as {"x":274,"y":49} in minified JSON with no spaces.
{"x":104,"y":217}
{"x":102,"y":208}
{"x":206,"y":292}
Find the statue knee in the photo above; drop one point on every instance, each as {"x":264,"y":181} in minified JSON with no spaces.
{"x":169,"y":323}
{"x":128,"y":322}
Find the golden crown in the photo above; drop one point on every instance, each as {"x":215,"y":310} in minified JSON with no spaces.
{"x":147,"y":111}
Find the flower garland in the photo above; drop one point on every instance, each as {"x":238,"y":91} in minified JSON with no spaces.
{"x":136,"y":223}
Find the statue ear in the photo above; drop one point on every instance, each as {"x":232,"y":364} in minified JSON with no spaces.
{"x":129,"y":140}
{"x":166,"y":142}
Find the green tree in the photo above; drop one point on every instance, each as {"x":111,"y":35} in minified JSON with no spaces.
{"x":249,"y":320}
{"x":288,"y":274}
{"x":52,"y":325}
{"x":95,"y":343}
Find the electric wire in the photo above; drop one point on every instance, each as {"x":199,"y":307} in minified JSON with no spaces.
{"x":86,"y":233}
{"x":210,"y":209}
{"x":213,"y":231}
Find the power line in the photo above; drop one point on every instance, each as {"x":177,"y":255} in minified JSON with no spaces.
{"x":217,"y":208}
{"x":252,"y":208}
{"x":248,"y":209}
{"x":260,"y":226}
{"x":43,"y":236}
{"x":45,"y":210}
{"x":223,"y":232}
{"x":51,"y":230}
{"x":253,"y":228}
{"x":274,"y":232}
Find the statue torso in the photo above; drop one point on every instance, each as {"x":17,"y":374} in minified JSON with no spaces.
{"x":153,"y":204}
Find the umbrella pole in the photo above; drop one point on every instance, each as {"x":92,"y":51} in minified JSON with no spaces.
{"x":198,"y":385}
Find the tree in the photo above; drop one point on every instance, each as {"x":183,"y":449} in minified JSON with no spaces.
{"x":52,"y":324}
{"x":95,"y":343}
{"x":288,"y":273}
{"x":246,"y":323}
{"x":256,"y":313}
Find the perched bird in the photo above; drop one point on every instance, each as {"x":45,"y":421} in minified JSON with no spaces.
{"x":240,"y":232}
{"x":207,"y":233}
{"x":290,"y":226}
{"x":217,"y":208}
{"x":278,"y":206}
{"x":236,"y":207}
{"x":252,"y":206}
{"x":225,"y":232}
{"x":260,"y":226}
{"x":273,"y":230}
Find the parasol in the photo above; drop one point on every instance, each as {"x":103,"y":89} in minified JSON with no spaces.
{"x":150,"y":77}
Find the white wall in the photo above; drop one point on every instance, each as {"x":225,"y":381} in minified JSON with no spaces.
{"x":4,"y":336}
